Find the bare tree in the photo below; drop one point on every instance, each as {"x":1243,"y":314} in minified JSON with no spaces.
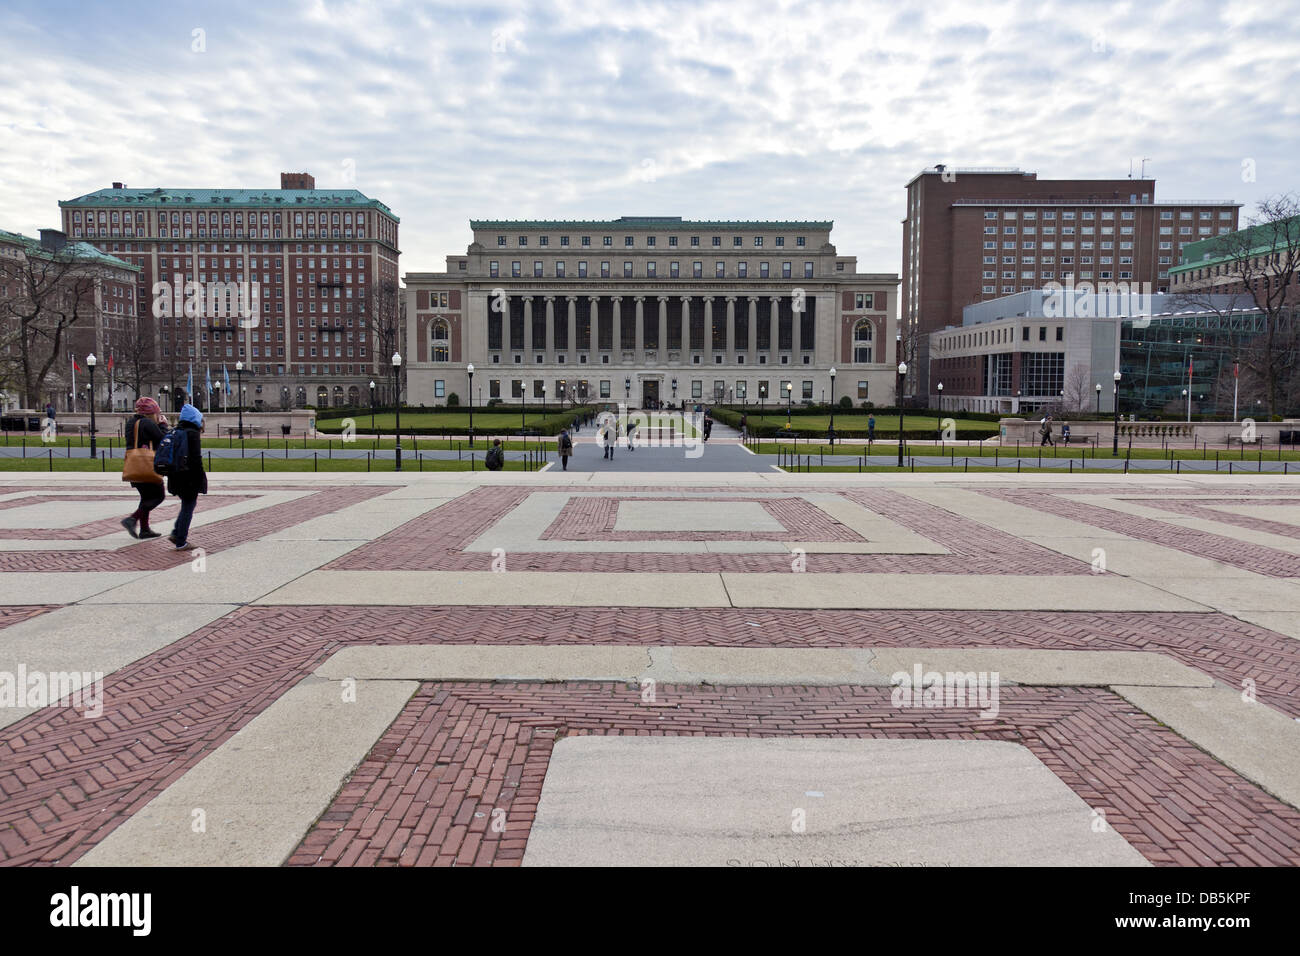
{"x":380,"y":311}
{"x":54,"y":293}
{"x":1256,"y":269}
{"x":137,"y":354}
{"x":1078,"y":390}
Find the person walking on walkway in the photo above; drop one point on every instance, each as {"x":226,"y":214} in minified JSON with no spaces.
{"x":189,"y":480}
{"x":609,"y":435}
{"x":871,"y":428}
{"x":143,"y":431}
{"x":1047,"y":432}
{"x":495,"y":459}
{"x":631,"y":430}
{"x":566,"y":449}
{"x":744,"y":428}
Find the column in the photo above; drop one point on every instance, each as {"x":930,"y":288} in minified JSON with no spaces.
{"x":796,"y":331}
{"x":528,"y":329}
{"x":752,"y":341}
{"x":550,"y":329}
{"x":571,"y":344}
{"x":618,"y":329}
{"x":640,"y":329}
{"x":686,"y":329}
{"x":731,"y":327}
{"x":663,"y":331}
{"x":774,"y":331}
{"x":708,"y":330}
{"x":593,"y":330}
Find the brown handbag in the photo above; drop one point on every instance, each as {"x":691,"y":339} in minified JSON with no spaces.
{"x":138,"y":466}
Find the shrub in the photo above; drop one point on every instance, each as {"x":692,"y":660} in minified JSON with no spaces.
{"x":846,"y":402}
{"x":453,"y":400}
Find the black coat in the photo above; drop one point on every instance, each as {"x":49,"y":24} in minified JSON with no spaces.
{"x":150,"y":432}
{"x":193,"y":480}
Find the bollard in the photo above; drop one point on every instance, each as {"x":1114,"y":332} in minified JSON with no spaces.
{"x":209,"y":461}
{"x":368,"y":455}
{"x":263,"y":454}
{"x":314,"y":464}
{"x":51,"y":459}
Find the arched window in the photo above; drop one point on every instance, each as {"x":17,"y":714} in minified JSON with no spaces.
{"x":862,"y":341}
{"x":440,"y":341}
{"x":322,"y":396}
{"x":338,"y":396}
{"x":354,"y":395}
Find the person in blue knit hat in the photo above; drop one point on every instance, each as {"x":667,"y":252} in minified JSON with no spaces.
{"x":189,"y":481}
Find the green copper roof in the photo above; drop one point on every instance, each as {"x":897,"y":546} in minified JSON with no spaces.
{"x":675,"y":223}
{"x":246,"y":198}
{"x":1263,"y":238}
{"x":81,"y":251}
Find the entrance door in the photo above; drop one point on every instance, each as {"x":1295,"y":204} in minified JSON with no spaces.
{"x":650,"y":393}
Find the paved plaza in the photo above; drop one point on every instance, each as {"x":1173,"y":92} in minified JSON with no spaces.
{"x":729,"y":668}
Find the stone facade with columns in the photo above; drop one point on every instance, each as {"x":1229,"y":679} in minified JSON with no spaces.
{"x":651,"y":309}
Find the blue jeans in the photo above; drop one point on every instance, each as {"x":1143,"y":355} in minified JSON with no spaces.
{"x":181,"y":530}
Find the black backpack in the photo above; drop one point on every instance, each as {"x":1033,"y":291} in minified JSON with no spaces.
{"x":495,"y":458}
{"x":172,"y":456}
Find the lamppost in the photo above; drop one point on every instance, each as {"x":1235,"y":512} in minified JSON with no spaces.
{"x":789,"y":401}
{"x":674,"y":390}
{"x":372,"y":406}
{"x":469,"y":370}
{"x":1114,"y":445}
{"x":90,"y":364}
{"x":627,"y":388}
{"x":239,"y":375}
{"x":832,"y":434}
{"x":397,"y":408}
{"x":938,"y":422}
{"x":762,"y":398}
{"x":1099,"y":398}
{"x":1189,"y":404}
{"x":902,"y":372}
{"x":163,"y":390}
{"x":523,"y":407}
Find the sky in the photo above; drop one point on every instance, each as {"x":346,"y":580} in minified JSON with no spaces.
{"x":595,"y":110}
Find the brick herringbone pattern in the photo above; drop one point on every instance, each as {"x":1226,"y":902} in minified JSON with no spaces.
{"x":68,"y":780}
{"x":1222,"y":548}
{"x":12,"y":614}
{"x":436,"y":541}
{"x":426,"y":793}
{"x":1198,"y":508}
{"x":153,"y":556}
{"x":594,"y":519}
{"x":165,"y":512}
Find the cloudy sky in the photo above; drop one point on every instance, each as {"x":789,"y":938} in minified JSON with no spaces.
{"x":586,"y":110}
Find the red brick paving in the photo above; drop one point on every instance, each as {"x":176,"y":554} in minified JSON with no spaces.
{"x":426,"y":794}
{"x":165,"y":512}
{"x":1217,"y":547}
{"x":1199,"y":508}
{"x":226,"y":533}
{"x":13,"y":613}
{"x":593,"y":519}
{"x":436,"y":541}
{"x":67,"y":780}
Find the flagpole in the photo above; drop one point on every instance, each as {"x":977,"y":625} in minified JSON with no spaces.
{"x":1234,"y":391}
{"x":1189,"y":387}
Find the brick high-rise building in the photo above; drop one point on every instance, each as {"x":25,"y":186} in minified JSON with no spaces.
{"x":971,"y":235}
{"x":324,"y":260}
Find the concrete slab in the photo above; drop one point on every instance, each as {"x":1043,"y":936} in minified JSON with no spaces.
{"x":510,"y":588}
{"x":360,"y":522}
{"x":95,"y":638}
{"x":695,"y":801}
{"x":1046,"y":667}
{"x":262,"y":789}
{"x":60,"y":514}
{"x":1009,"y":592}
{"x":61,"y":587}
{"x":701,"y":516}
{"x":1280,"y":622}
{"x":450,"y":662}
{"x":755,"y":665}
{"x":1258,"y":742}
{"x":237,"y":575}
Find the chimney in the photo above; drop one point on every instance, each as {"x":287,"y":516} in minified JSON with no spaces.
{"x":297,"y":181}
{"x":53,"y":240}
{"x":117,"y":185}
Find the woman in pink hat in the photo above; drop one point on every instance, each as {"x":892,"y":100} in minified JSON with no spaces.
{"x":147,"y":427}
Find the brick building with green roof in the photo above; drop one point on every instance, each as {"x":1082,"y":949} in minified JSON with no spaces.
{"x":315,"y":272}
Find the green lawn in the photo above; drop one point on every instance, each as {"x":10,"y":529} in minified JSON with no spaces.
{"x":1026,"y":450}
{"x":219,"y":465}
{"x":453,"y":422}
{"x":278,"y":444}
{"x":856,"y":421}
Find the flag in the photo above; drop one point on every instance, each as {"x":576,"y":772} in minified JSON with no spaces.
{"x":75,"y":366}
{"x":189,"y":384}
{"x":208,"y":394}
{"x":110,"y":363}
{"x":226,"y":374}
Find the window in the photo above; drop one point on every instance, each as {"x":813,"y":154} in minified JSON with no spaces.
{"x":627,"y":270}
{"x":697,"y":389}
{"x":501,"y":240}
{"x":762,"y":270}
{"x":674,"y":270}
{"x":439,"y":388}
{"x":650,"y":241}
{"x":1060,"y":333}
{"x":758,"y":242}
{"x":862,"y":391}
{"x":604,"y":270}
{"x":807,"y":270}
{"x":515,"y":269}
{"x":742,"y":269}
{"x":607,"y":240}
{"x":559,"y":270}
{"x":719,"y":269}
{"x":801,"y":240}
{"x":697,"y":269}
{"x":586,"y":240}
{"x":717,"y":241}
{"x":695,"y":242}
{"x":864,"y":300}
{"x":537,"y":268}
{"x":736,"y":241}
{"x":582,"y":269}
{"x":650,"y":269}
{"x":786,"y":269}
{"x":523,"y":241}
{"x":863,"y":333}
{"x":564,"y":242}
{"x":627,"y":241}
{"x":604,"y":388}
